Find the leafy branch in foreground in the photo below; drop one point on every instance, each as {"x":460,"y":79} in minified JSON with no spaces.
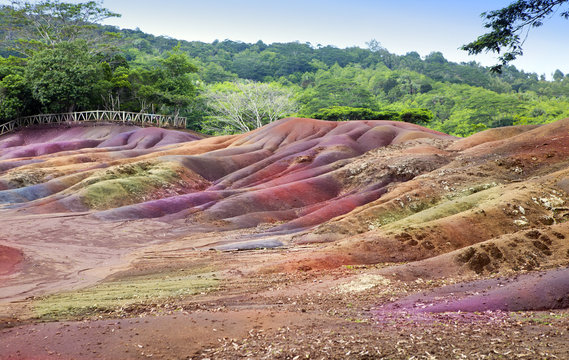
{"x":510,"y":26}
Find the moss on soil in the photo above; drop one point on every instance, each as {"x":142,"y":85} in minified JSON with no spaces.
{"x":118,"y":294}
{"x":446,"y":208}
{"x":128,"y":184}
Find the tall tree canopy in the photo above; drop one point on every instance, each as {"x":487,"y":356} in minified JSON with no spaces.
{"x":62,"y":78}
{"x":32,"y":26}
{"x":509,"y":27}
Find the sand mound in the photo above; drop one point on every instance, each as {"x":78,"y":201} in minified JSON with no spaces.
{"x":508,"y":195}
{"x":38,"y":141}
{"x":291,"y":170}
{"x":491,"y":135}
{"x":545,"y":290}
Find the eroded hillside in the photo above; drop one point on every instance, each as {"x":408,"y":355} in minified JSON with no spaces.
{"x":415,"y":211}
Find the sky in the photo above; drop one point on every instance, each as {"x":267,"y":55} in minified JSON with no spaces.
{"x":400,"y":26}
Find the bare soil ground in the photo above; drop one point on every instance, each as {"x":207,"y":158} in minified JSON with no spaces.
{"x":346,"y":312}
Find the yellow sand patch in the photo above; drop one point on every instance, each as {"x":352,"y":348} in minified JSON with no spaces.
{"x":362,"y":283}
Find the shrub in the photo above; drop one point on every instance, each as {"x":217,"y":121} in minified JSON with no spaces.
{"x":416,"y":116}
{"x":344,"y":113}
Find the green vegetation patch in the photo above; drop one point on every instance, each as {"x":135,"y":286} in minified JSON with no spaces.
{"x":538,"y":318}
{"x":129,"y":184}
{"x":115,"y":295}
{"x":441,"y":210}
{"x":344,"y":113}
{"x":424,"y":210}
{"x":402,"y":211}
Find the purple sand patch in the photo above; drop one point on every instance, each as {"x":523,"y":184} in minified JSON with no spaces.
{"x":148,"y":138}
{"x":38,"y":191}
{"x":544,"y":290}
{"x":39,"y":141}
{"x":161,"y":207}
{"x":48,"y":148}
{"x":331,"y":209}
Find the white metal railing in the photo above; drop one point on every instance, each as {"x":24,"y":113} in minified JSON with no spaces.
{"x":123,"y":117}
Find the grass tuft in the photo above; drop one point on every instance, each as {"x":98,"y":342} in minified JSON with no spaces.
{"x":112,"y":296}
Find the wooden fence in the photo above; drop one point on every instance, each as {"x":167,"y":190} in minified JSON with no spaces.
{"x":122,"y":117}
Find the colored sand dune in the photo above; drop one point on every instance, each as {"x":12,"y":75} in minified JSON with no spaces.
{"x":291,"y":171}
{"x":366,"y":192}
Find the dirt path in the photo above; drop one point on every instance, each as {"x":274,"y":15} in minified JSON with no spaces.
{"x":254,"y":311}
{"x":180,"y":335}
{"x":63,"y":252}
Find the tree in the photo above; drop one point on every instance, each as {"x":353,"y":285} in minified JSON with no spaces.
{"x":169,"y":86}
{"x":62,"y":78}
{"x":176,"y":87}
{"x":15,"y":94}
{"x":114,"y":86}
{"x":558,"y":75}
{"x":15,"y":97}
{"x":32,"y":26}
{"x":213,"y":72}
{"x":374,"y":45}
{"x":244,"y":106}
{"x":509,"y":28}
{"x":436,"y":57}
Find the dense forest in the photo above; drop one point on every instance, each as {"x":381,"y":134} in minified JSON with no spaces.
{"x":58,"y":59}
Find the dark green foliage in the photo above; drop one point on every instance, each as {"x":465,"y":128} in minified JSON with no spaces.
{"x":61,"y":78}
{"x":213,"y":73}
{"x":343,"y":113}
{"x":68,"y":64}
{"x":558,"y":75}
{"x":416,"y":116}
{"x":425,"y":88}
{"x":176,"y":87}
{"x":15,"y":94}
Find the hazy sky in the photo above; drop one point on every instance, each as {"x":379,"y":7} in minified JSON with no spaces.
{"x":399,"y":25}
